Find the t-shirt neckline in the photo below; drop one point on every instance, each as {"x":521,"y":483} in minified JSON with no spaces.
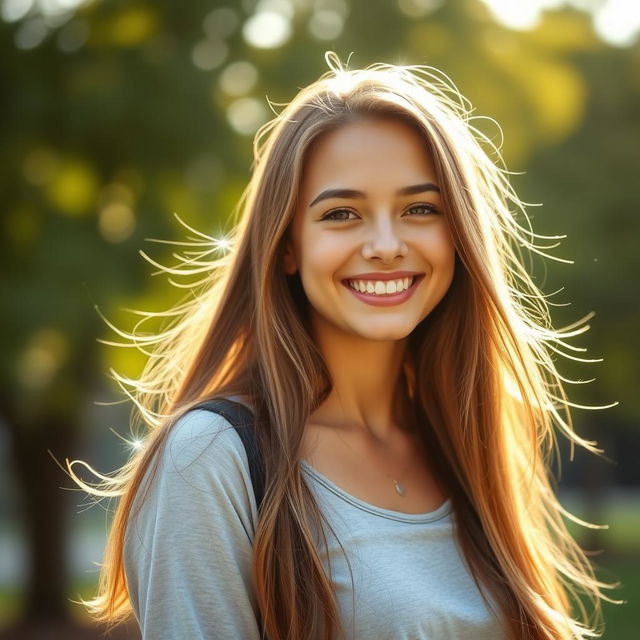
{"x":440,"y":512}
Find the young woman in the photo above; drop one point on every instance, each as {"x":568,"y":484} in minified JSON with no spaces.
{"x":374,"y":315}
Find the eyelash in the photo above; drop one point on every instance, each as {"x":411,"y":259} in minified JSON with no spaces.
{"x":431,"y":209}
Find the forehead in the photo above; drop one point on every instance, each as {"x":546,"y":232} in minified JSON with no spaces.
{"x":380,"y":151}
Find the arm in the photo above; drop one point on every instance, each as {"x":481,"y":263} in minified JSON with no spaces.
{"x":188,"y":546}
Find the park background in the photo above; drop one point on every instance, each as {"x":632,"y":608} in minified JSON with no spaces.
{"x":120,"y":119}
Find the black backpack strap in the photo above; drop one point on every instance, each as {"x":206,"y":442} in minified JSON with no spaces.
{"x":243,"y":422}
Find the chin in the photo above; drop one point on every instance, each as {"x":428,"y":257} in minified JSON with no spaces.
{"x":384,"y":334}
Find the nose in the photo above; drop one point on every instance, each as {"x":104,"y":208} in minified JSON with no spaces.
{"x":384,"y":242}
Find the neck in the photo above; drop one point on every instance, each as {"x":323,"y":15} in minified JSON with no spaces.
{"x":367,"y":392}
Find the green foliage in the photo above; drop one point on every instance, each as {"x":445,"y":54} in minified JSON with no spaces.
{"x":121,"y":117}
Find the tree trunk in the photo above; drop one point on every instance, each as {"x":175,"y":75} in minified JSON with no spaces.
{"x":44,"y":509}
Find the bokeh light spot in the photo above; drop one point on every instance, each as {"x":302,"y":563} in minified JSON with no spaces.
{"x":246,"y":115}
{"x":221,"y":23}
{"x":267,"y":30}
{"x":42,"y":358}
{"x":618,"y":21}
{"x":515,"y":15}
{"x":116,"y":222}
{"x":133,"y":26}
{"x":209,"y":54}
{"x":73,"y":36}
{"x":238,"y":78}
{"x":326,"y":24}
{"x":283,"y":7}
{"x":31,"y":33}
{"x":116,"y":192}
{"x":14,"y":10}
{"x":73,"y":188}
{"x":418,"y":8}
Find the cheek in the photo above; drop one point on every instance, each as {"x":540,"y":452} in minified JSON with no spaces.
{"x":439,"y":248}
{"x":323,"y":254}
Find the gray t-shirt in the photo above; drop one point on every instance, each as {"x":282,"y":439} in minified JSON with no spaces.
{"x":188,"y":553}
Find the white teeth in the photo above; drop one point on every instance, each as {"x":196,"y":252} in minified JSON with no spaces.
{"x":381,"y":287}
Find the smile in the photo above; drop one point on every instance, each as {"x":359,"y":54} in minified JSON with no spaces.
{"x":381,"y":287}
{"x":383,"y":292}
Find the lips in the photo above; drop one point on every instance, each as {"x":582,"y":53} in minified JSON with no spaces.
{"x":386,"y":299}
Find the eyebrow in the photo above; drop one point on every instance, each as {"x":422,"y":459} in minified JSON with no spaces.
{"x":353,"y":193}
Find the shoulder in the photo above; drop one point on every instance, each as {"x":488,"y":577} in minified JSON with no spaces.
{"x":201,"y":436}
{"x":202,"y":458}
{"x":191,"y":530}
{"x":200,"y":473}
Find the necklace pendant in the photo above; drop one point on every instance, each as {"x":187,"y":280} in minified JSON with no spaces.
{"x":400,"y":490}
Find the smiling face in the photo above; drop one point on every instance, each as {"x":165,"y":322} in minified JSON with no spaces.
{"x":369,"y":222}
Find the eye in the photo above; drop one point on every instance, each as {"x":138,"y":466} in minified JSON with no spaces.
{"x":424,"y":209}
{"x":338,"y":215}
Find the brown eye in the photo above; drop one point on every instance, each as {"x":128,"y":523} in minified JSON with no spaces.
{"x":338,"y":215}
{"x":424,"y":209}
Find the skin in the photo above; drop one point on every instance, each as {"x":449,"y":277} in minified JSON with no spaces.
{"x":364,"y":345}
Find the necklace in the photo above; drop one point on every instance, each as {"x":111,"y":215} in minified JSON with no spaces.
{"x":401,"y":489}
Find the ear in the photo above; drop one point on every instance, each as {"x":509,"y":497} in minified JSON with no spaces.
{"x":289,"y":259}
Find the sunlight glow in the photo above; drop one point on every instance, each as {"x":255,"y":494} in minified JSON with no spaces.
{"x":135,"y":443}
{"x":615,"y":21}
{"x":269,"y":24}
{"x":224,"y":244}
{"x":341,"y":82}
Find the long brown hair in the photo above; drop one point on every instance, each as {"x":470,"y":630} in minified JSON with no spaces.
{"x":480,"y":372}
